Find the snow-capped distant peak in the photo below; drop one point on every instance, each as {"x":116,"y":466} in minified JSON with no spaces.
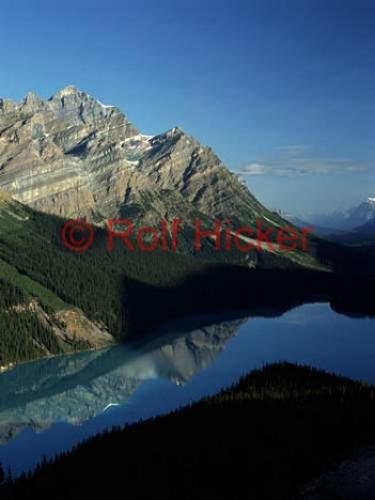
{"x":371,"y":200}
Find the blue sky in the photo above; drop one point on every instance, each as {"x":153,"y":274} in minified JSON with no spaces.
{"x":283,"y":91}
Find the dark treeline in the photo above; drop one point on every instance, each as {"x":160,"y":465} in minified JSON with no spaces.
{"x":263,"y":438}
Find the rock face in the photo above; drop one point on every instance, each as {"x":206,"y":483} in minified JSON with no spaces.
{"x":73,"y":156}
{"x":62,"y":156}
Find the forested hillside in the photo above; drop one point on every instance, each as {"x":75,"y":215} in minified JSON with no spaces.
{"x":23,"y":335}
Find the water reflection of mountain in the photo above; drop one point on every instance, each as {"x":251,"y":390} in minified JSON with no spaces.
{"x":76,"y":388}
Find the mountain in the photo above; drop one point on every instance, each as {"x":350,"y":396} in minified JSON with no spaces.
{"x":73,"y":156}
{"x":355,"y":227}
{"x":349,"y":219}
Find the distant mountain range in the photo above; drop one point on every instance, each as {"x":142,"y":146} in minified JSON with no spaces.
{"x":354,"y":227}
{"x":349,"y":219}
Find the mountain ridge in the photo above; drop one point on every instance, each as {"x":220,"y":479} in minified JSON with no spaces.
{"x":73,"y":156}
{"x":72,"y":146}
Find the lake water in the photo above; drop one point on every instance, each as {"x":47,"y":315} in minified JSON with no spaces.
{"x":50,"y":405}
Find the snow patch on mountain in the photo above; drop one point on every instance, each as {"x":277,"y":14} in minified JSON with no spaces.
{"x":105,"y":106}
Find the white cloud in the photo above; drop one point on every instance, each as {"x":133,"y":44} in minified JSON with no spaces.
{"x":254,"y":169}
{"x":299,"y":160}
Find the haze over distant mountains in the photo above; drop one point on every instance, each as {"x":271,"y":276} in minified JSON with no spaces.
{"x":353,"y":227}
{"x":349,"y":219}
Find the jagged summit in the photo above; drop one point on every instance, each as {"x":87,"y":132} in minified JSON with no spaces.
{"x":69,"y":94}
{"x":72,"y":90}
{"x":73,"y":155}
{"x":68,"y":90}
{"x":32,"y":103}
{"x":32,"y":97}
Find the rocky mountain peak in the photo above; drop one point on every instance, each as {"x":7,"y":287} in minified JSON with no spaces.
{"x":74,"y":156}
{"x":71,"y":93}
{"x":68,"y":90}
{"x":32,"y":101}
{"x":73,"y":105}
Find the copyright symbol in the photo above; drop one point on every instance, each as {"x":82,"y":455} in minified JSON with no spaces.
{"x":77,"y":235}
